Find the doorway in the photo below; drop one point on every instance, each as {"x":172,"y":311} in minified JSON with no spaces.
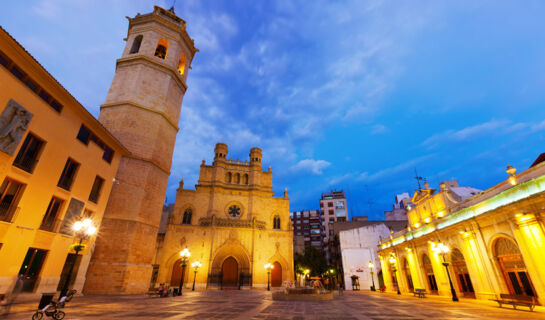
{"x":229,"y":273}
{"x":408,"y":275}
{"x":276,"y":275}
{"x":31,"y":267}
{"x":428,"y":270}
{"x":462,"y":275}
{"x":513,"y":268}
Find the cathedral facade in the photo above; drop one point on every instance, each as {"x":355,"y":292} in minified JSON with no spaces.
{"x":232,"y":225}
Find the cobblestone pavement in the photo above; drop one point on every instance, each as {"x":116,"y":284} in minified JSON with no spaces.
{"x":259,"y":305}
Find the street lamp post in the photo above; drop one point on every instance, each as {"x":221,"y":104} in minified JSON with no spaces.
{"x":371,"y":266}
{"x":83,"y":229}
{"x":196,"y":265}
{"x":394,"y":269}
{"x":268,"y":267}
{"x":443,"y":250}
{"x":184,"y":257}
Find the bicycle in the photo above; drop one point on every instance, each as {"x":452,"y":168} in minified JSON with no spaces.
{"x":52,"y":309}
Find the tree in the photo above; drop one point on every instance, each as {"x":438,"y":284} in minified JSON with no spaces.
{"x":313,"y":259}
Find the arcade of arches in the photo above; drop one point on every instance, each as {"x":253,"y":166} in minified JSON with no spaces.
{"x":496,"y":245}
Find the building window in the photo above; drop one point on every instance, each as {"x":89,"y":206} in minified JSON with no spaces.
{"x":276,"y":223}
{"x":234,"y":211}
{"x":331,"y":212}
{"x":299,"y":233}
{"x":341,"y":219}
{"x":321,"y":204}
{"x":298,"y":227}
{"x":68,"y":174}
{"x":228,"y":177}
{"x":237,"y":178}
{"x":51,"y":222}
{"x":330,"y":204}
{"x":136,"y":44}
{"x":245,"y":179}
{"x":10,"y":193}
{"x":298,"y":214}
{"x":85,"y":135}
{"x":95,"y":190}
{"x":161,"y":50}
{"x":298,"y":221}
{"x":181,"y":64}
{"x":28,"y":154}
{"x":187,"y":216}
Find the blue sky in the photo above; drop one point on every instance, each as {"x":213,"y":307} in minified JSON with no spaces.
{"x":350,"y":95}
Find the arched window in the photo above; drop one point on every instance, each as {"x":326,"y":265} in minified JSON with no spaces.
{"x":276,"y":222}
{"x":181,"y":64}
{"x":187,"y":216}
{"x":245,"y":179}
{"x":237,"y":178}
{"x":136,"y":44}
{"x":228,"y":177}
{"x":161,"y":50}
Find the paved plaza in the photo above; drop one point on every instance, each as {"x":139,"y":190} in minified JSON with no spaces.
{"x":259,"y":305}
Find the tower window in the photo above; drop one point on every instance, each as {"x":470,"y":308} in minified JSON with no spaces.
{"x":245,"y":179}
{"x":237,"y":178}
{"x":228,"y":177}
{"x":276,"y":223}
{"x":136,"y":44}
{"x":187,"y":216}
{"x":161,"y":50}
{"x":181,"y":64}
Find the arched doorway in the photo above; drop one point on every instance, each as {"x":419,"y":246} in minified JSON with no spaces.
{"x":177,"y":274}
{"x":462,"y":275}
{"x":428,"y":270}
{"x":408,"y":275}
{"x":229,"y":273}
{"x":276,"y":275}
{"x":513,"y":268}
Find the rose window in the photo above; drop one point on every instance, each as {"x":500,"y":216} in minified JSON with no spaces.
{"x":234,"y":211}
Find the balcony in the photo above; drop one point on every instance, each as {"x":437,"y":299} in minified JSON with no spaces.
{"x":51,"y":225}
{"x":219,"y":222}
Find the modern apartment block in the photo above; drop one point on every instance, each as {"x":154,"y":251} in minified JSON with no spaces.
{"x":308,"y":224}
{"x":332,"y":209}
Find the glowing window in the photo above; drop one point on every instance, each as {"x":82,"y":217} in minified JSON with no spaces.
{"x":181,"y":64}
{"x":161,"y":50}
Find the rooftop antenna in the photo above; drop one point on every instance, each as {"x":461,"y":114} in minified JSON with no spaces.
{"x":418,"y":179}
{"x":172,"y":8}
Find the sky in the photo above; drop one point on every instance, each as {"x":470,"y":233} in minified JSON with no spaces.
{"x":351,"y":95}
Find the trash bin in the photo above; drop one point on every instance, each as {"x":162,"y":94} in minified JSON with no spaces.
{"x":46,"y":299}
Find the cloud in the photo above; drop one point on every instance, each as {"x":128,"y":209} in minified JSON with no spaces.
{"x":489,"y":128}
{"x":379,"y":129}
{"x":315,"y":167}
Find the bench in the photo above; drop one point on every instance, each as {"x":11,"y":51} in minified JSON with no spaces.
{"x":421,"y":293}
{"x":516,"y":300}
{"x":153,"y":292}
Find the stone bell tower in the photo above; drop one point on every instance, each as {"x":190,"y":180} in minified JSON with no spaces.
{"x":141,"y":110}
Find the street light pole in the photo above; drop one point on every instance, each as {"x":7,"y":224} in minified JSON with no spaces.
{"x":371,"y":266}
{"x":196,"y":265}
{"x":268,"y":267}
{"x":444,"y":249}
{"x":184,"y":257}
{"x":82,"y":229}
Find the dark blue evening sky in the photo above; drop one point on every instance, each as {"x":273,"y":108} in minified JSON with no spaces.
{"x":350,"y":95}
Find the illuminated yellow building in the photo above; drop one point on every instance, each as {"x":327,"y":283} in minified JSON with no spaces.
{"x":495,"y":239}
{"x":57,"y":164}
{"x":232,"y":224}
